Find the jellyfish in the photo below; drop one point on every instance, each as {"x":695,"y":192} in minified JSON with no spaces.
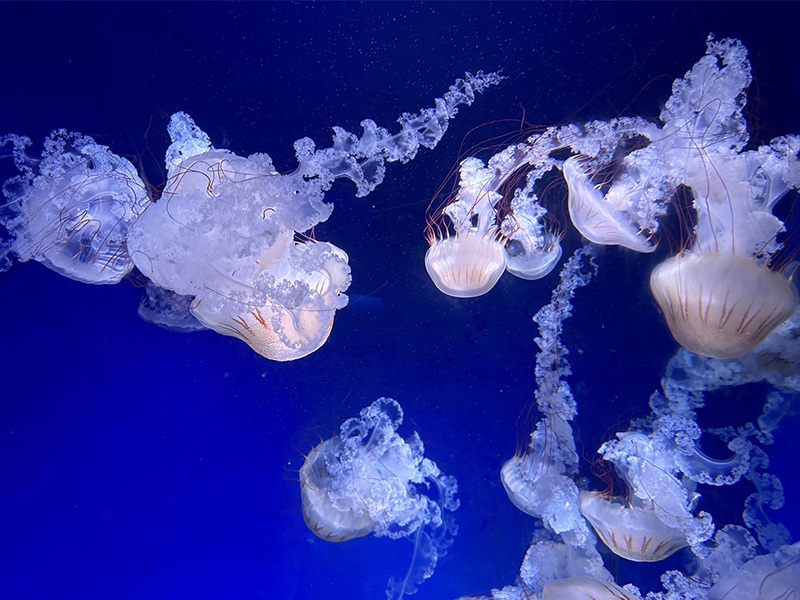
{"x":489,"y":235}
{"x":720,"y":297}
{"x":72,"y":209}
{"x":368,"y":479}
{"x":539,"y":478}
{"x":584,"y":588}
{"x":630,"y":531}
{"x":601,"y":219}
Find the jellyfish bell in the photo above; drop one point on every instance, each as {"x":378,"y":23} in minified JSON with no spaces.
{"x":297,"y":317}
{"x":604,"y":220}
{"x":319,"y":513}
{"x":721,"y":305}
{"x":368,"y":479}
{"x":466,"y":265}
{"x":533,"y":259}
{"x":631,"y":532}
{"x":72,"y":209}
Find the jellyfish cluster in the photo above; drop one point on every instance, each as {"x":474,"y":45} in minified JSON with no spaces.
{"x":726,"y":290}
{"x":729,"y":302}
{"x":227,"y":244}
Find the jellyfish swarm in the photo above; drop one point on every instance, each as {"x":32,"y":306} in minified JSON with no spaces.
{"x":224,"y":246}
{"x":227,"y":230}
{"x":72,"y":208}
{"x":368,"y":479}
{"x":485,"y":242}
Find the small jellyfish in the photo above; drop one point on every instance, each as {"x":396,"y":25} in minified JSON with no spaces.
{"x":494,"y":231}
{"x":71,"y":210}
{"x":533,"y":259}
{"x":368,"y":479}
{"x":469,"y":262}
{"x":601,"y":219}
{"x":631,"y":532}
{"x":721,"y":305}
{"x":466,"y":265}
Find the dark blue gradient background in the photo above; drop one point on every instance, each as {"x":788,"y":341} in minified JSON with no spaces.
{"x":139,"y":464}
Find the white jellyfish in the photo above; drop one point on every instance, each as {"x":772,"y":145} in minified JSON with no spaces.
{"x":630,"y":530}
{"x":489,"y":236}
{"x":368,"y":479}
{"x":720,"y":297}
{"x":72,"y":209}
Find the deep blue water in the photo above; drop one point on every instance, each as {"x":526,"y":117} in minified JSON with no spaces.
{"x":137,"y":463}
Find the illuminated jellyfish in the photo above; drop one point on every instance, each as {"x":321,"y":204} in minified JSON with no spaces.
{"x":584,"y":588}
{"x":71,"y":209}
{"x":740,"y":574}
{"x":539,"y":479}
{"x":368,"y":479}
{"x":228,"y":231}
{"x":486,"y":239}
{"x":720,"y":297}
{"x":630,"y":531}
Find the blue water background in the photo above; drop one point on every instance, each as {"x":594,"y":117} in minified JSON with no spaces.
{"x":137,"y":463}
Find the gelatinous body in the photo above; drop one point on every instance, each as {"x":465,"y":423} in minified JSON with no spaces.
{"x":72,"y":209}
{"x":584,"y":588}
{"x":631,"y":532}
{"x":465,"y":266}
{"x":368,"y":479}
{"x":721,"y":305}
{"x":600,"y":219}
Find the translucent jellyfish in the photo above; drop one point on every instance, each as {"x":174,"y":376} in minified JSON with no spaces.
{"x":368,"y":479}
{"x":539,"y":478}
{"x":229,"y":231}
{"x":72,"y":209}
{"x":490,"y":236}
{"x":601,"y":219}
{"x":632,"y":532}
{"x":721,"y":305}
{"x":720,"y":297}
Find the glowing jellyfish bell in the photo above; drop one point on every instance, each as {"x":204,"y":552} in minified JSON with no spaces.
{"x":631,"y":532}
{"x":602,"y":219}
{"x":261,"y":285}
{"x":470,"y":262}
{"x":584,"y":588}
{"x":720,"y":297}
{"x":368,"y":479}
{"x":71,"y":210}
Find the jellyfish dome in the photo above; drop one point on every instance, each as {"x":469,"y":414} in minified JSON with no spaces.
{"x":488,"y":239}
{"x":720,"y":297}
{"x":72,"y":209}
{"x":368,"y":479}
{"x":632,"y":532}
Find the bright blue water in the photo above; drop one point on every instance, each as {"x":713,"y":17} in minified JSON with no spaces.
{"x":137,"y":463}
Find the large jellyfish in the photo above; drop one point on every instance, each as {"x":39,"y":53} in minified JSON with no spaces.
{"x":720,"y":297}
{"x":368,"y":479}
{"x":227,"y":239}
{"x":71,"y":209}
